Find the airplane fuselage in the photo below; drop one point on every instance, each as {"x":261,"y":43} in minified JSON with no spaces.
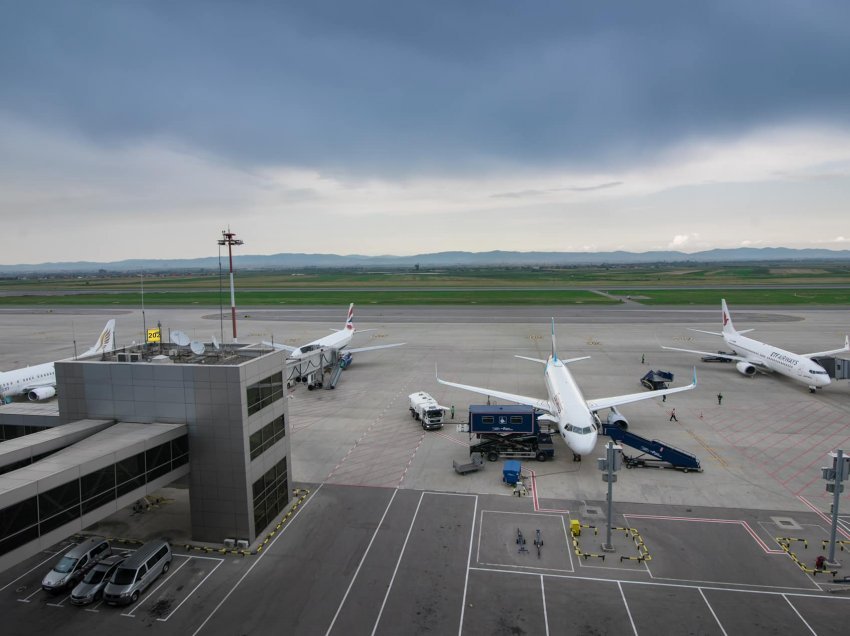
{"x":575,"y":422}
{"x":19,"y":381}
{"x":787,"y":363}
{"x":337,"y":340}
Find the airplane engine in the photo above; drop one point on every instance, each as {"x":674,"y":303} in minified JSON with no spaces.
{"x":615,"y":418}
{"x":41,"y":393}
{"x":745,"y":368}
{"x":346,"y":360}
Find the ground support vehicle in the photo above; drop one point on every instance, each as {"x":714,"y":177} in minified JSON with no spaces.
{"x":654,"y":380}
{"x":660,"y":455}
{"x":426,"y":409}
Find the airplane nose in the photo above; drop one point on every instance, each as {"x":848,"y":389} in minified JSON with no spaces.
{"x":586,"y":444}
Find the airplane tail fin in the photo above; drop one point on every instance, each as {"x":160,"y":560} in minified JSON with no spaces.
{"x":728,"y":327}
{"x":105,"y":342}
{"x":554,"y":348}
{"x":349,"y":322}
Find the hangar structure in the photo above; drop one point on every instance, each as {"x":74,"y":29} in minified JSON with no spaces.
{"x":139,"y":418}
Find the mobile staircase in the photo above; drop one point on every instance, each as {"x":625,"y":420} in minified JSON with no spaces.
{"x":661,"y":455}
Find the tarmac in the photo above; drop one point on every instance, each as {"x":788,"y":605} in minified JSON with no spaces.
{"x":390,"y":537}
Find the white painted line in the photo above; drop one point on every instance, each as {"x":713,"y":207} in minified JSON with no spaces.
{"x":800,"y":615}
{"x":150,"y":594}
{"x":188,"y":596}
{"x":359,"y":565}
{"x":468,"y":565}
{"x":59,"y":604}
{"x":711,"y":609}
{"x":27,"y":598}
{"x":545,"y":614}
{"x":35,"y":567}
{"x":395,"y":571}
{"x":254,"y":564}
{"x":626,"y":604}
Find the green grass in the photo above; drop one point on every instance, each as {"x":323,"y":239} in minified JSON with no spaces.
{"x":321,"y":297}
{"x":802,"y":296}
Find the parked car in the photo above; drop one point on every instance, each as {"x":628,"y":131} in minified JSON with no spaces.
{"x":137,"y":572}
{"x":91,"y":587}
{"x":77,"y":561}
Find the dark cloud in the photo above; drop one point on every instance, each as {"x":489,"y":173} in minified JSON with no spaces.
{"x":388,"y":88}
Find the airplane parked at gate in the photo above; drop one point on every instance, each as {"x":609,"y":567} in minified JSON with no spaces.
{"x":337,"y":341}
{"x":574,"y":416}
{"x":39,"y":382}
{"x":751,"y":355}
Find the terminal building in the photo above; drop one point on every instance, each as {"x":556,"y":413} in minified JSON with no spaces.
{"x":138,"y":419}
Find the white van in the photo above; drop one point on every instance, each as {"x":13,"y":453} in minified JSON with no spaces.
{"x":76,"y":562}
{"x":135,"y":574}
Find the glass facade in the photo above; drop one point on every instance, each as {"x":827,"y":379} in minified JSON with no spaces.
{"x":267,"y":436}
{"x":271,"y":494}
{"x":264,"y":392}
{"x":22,"y":522}
{"x":11,"y":431}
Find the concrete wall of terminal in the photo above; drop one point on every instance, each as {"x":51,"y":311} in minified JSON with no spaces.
{"x":211,"y":400}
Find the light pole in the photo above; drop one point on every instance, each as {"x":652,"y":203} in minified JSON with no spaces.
{"x":230,"y":240}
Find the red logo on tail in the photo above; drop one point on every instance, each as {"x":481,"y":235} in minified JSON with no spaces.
{"x":725,"y":319}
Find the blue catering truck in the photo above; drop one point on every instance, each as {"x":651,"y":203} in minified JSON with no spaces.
{"x":508,"y":430}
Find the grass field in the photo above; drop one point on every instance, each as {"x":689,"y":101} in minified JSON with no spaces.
{"x":788,"y":284}
{"x":802,"y":296}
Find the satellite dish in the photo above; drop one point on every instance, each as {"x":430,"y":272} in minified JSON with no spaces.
{"x":179,"y":338}
{"x":197,"y":347}
{"x":216,"y":346}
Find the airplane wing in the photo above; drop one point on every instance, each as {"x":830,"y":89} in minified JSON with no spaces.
{"x":279,"y":347}
{"x":716,"y":355}
{"x":846,"y":347}
{"x":605,"y":403}
{"x":361,"y":349}
{"x":537,"y":403}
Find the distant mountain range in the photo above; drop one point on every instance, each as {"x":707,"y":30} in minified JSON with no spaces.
{"x":438,"y":259}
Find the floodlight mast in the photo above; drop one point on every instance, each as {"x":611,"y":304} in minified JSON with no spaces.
{"x":229,"y":239}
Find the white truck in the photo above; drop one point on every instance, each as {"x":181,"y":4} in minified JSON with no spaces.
{"x":425,"y":409}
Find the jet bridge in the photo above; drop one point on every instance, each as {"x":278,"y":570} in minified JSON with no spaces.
{"x":661,"y":455}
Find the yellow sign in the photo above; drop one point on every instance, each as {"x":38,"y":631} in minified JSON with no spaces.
{"x":153,"y":335}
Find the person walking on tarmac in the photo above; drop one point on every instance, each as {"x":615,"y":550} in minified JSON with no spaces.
{"x":673,"y":417}
{"x":719,"y":399}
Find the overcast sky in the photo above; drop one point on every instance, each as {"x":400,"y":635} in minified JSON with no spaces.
{"x":142,"y":129}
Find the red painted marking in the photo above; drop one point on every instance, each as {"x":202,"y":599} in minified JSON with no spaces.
{"x":739,"y":522}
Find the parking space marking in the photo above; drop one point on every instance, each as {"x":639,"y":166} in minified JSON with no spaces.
{"x":59,"y":604}
{"x":189,"y":595}
{"x":35,"y":567}
{"x":711,"y":609}
{"x":800,"y":616}
{"x":256,"y":561}
{"x":525,"y":514}
{"x":746,"y":526}
{"x":359,"y":565}
{"x":468,"y":565}
{"x":27,"y":599}
{"x":626,"y":605}
{"x":150,"y":594}
{"x":543,"y":595}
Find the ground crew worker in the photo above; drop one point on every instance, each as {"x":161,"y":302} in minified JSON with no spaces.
{"x":642,"y":358}
{"x":673,"y":417}
{"x":719,"y":398}
{"x":453,"y":411}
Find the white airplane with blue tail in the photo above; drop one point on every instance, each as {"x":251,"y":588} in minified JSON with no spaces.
{"x":566,"y":407}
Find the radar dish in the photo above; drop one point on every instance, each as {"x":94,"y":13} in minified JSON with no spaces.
{"x":197,"y":347}
{"x":216,"y":346}
{"x":179,"y":338}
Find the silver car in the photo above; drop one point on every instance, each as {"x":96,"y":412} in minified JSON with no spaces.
{"x":74,"y":565}
{"x":91,"y":587}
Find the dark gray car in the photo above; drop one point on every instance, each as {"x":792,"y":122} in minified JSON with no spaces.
{"x":91,"y":587}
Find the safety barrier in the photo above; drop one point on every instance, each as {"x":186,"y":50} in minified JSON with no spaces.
{"x":840,"y":544}
{"x":785,"y":544}
{"x":643,"y":551}
{"x":575,"y":531}
{"x":302,"y":493}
